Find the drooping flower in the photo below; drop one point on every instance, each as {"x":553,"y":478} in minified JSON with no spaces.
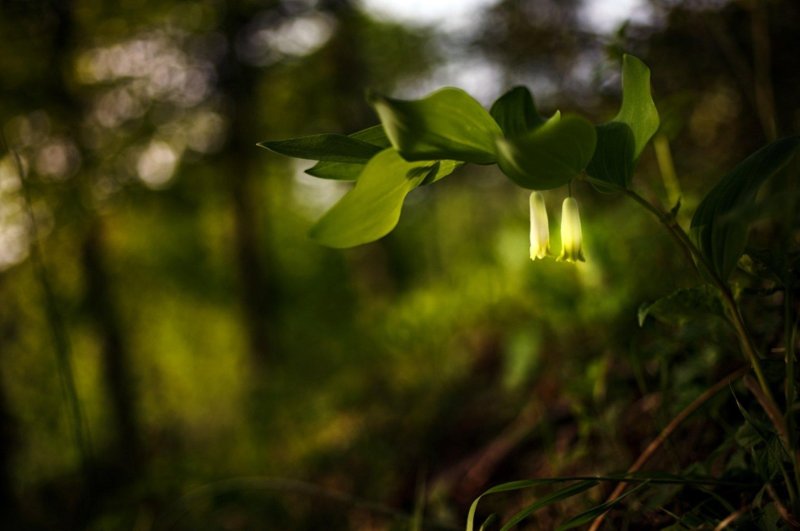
{"x":540,"y":230}
{"x":571,"y":235}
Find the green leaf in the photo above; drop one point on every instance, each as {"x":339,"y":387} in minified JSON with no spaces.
{"x":329,"y":147}
{"x":721,"y":222}
{"x":345,"y":171}
{"x":447,"y":124}
{"x":374,"y":135}
{"x":549,"y":156}
{"x":589,"y":515}
{"x":638,"y":109}
{"x":516,"y":113}
{"x":641,"y":478}
{"x":621,"y":141}
{"x":561,"y":494}
{"x":372,"y":208}
{"x":336,"y":171}
{"x":613,"y":159}
{"x":486,"y":523}
{"x":683,"y":305}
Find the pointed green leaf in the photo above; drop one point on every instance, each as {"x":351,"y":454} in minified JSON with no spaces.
{"x":374,"y":135}
{"x":620,"y":141}
{"x":486,"y":523}
{"x":337,"y":171}
{"x":721,"y":222}
{"x":347,"y":171}
{"x":516,"y":113}
{"x":638,"y":109}
{"x":372,"y":208}
{"x":549,"y":156}
{"x":447,"y":124}
{"x":557,"y":496}
{"x":613,"y":159}
{"x":590,"y":514}
{"x":329,"y":147}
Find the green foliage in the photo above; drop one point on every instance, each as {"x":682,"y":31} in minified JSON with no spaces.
{"x":372,"y":208}
{"x":638,"y":109}
{"x":343,"y":171}
{"x":515,"y":112}
{"x":325,"y":147}
{"x":592,"y":513}
{"x":621,"y":141}
{"x":447,"y":124}
{"x":549,"y":156}
{"x":554,"y":497}
{"x":721,"y":222}
{"x":613,"y":160}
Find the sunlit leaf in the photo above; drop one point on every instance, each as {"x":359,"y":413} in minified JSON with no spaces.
{"x":372,"y":208}
{"x":374,"y":135}
{"x":638,"y":109}
{"x":549,"y":156}
{"x":516,"y":113}
{"x":346,"y":171}
{"x":721,"y":222}
{"x":328,"y":147}
{"x":613,"y":159}
{"x":448,"y":124}
{"x":621,"y":141}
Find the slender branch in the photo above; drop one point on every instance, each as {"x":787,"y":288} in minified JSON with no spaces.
{"x":670,"y":428}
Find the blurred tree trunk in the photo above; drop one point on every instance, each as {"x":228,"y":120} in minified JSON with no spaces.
{"x":98,"y":295}
{"x":101,"y":306}
{"x":8,"y":439}
{"x":258,"y":295}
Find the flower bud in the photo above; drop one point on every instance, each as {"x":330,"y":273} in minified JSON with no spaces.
{"x":540,"y":230}
{"x":571,"y":236}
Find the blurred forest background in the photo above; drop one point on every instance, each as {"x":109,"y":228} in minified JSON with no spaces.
{"x":176,"y":354}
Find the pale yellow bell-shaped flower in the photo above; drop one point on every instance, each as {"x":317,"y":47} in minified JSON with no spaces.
{"x":571,"y":235}
{"x":540,"y":230}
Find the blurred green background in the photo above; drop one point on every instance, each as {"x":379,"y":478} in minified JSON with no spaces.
{"x":175,"y":353}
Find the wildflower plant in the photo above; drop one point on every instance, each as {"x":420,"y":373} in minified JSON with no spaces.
{"x":419,"y":142}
